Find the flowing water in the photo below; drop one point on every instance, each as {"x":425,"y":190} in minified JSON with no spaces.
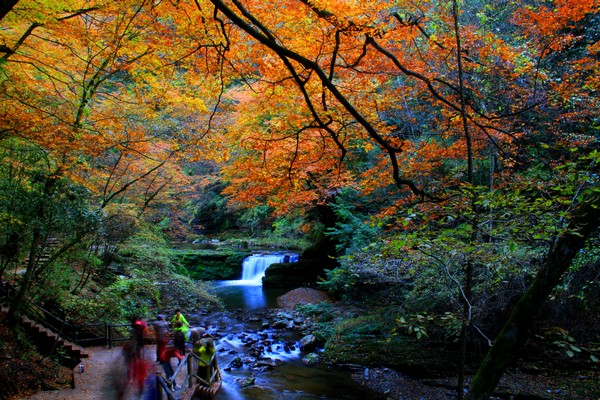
{"x":241,"y":326}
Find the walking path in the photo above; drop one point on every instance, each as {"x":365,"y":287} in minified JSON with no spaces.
{"x":102,"y":375}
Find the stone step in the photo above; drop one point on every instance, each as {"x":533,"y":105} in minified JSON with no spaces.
{"x":73,"y":350}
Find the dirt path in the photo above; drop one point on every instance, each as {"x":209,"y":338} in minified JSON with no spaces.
{"x":102,"y":372}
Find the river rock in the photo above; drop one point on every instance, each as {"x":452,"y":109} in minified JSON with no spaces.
{"x":248,"y":341}
{"x":256,"y":351}
{"x":308,"y":342}
{"x":248,"y":360}
{"x":283,"y":320}
{"x":244,"y":382}
{"x":236,"y":363}
{"x":284,"y":315}
{"x":311,"y":359}
{"x":265,"y":362}
{"x":289,"y":347}
{"x":280,"y":323}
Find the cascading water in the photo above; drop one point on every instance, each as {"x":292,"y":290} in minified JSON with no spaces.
{"x":246,"y":326}
{"x":248,"y":292}
{"x":254,"y":266}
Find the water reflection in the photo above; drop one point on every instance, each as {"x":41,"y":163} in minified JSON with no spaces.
{"x":238,"y":294}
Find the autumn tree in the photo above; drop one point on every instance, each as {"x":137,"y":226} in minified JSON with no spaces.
{"x":112,"y":97}
{"x":443,"y":94}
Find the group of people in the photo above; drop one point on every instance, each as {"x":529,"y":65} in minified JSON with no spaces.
{"x":202,"y":345}
{"x":139,"y":371}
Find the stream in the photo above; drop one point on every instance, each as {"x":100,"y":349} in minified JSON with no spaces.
{"x":242,"y":332}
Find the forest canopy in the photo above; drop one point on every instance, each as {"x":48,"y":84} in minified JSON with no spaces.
{"x":454,"y":139}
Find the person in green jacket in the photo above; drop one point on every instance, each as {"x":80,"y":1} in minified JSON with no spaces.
{"x":184,"y":327}
{"x":205,"y":349}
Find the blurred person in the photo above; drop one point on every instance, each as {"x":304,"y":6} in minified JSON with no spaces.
{"x":161,"y":328}
{"x":205,"y":350}
{"x":179,"y":338}
{"x":167,"y":354}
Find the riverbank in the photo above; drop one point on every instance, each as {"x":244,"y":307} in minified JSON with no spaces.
{"x":515,"y":385}
{"x":389,"y":384}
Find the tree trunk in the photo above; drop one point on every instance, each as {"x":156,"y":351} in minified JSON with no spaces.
{"x":464,"y":329}
{"x":14,"y":310}
{"x":36,"y":241}
{"x":514,"y":332}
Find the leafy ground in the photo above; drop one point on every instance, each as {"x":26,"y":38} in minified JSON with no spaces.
{"x":23,"y":371}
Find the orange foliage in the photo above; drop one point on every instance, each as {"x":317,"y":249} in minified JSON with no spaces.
{"x":291,"y":103}
{"x":332,"y":81}
{"x":102,"y":91}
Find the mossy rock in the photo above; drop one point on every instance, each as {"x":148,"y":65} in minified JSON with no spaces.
{"x":402,"y":354}
{"x":210,"y":264}
{"x":366,"y":340}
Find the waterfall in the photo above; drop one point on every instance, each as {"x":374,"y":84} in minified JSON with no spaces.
{"x":254,"y":266}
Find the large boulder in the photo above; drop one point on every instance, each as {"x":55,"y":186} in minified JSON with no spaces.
{"x":302,"y":295}
{"x":306,"y":271}
{"x":308,"y":342}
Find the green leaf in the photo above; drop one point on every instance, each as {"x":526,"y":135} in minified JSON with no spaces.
{"x":575,"y":348}
{"x":570,"y":353}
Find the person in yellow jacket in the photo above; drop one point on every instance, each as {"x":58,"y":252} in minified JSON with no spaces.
{"x":205,"y":349}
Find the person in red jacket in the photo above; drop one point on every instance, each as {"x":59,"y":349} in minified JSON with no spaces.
{"x":139,"y":330}
{"x":165,"y":359}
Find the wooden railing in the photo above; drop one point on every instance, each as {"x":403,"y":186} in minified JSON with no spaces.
{"x":166,"y":385}
{"x":100,"y":333}
{"x":104,"y":333}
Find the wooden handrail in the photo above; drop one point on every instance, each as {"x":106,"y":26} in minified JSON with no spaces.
{"x":164,"y":385}
{"x":210,"y":363}
{"x":63,"y":328}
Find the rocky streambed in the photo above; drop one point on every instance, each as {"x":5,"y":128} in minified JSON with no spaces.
{"x":267,"y":352}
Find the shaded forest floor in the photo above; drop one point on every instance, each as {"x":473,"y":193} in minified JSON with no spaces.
{"x":515,"y":385}
{"x":548,"y":379}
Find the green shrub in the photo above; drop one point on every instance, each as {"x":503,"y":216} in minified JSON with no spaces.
{"x":321,"y":312}
{"x":353,"y":328}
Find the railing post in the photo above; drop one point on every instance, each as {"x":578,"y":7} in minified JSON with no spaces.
{"x":108,"y":335}
{"x":190,"y":368}
{"x":159,"y":388}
